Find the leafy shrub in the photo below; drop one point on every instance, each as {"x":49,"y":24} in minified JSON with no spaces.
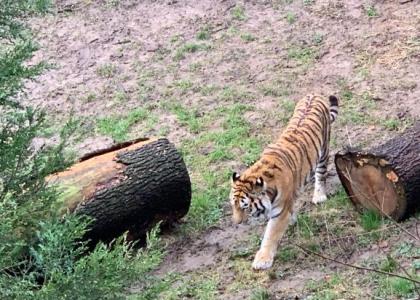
{"x":41,"y":254}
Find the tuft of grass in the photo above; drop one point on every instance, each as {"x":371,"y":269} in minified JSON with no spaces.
{"x":194,"y":67}
{"x":238,"y":13}
{"x":326,"y":289}
{"x":370,"y":220}
{"x":90,"y":97}
{"x":247,"y":37}
{"x":287,"y":254}
{"x":354,"y":107}
{"x":106,"y":70}
{"x":188,"y":48}
{"x":389,"y":264}
{"x":183,"y":85}
{"x":370,"y":11}
{"x":260,"y":294}
{"x":317,"y":38}
{"x":112,"y":3}
{"x":207,"y":90}
{"x":303,"y":55}
{"x":288,"y":107}
{"x":229,"y":93}
{"x":392,"y":124}
{"x":395,"y":287}
{"x":120,"y":96}
{"x":203,"y":34}
{"x":305,"y":225}
{"x":118,"y":126}
{"x":338,"y":200}
{"x":186,"y":116}
{"x":291,"y":17}
{"x":308,"y":2}
{"x":174,"y":286}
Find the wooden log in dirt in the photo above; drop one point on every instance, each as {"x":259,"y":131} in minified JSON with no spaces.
{"x":385,"y":178}
{"x":129,"y":187}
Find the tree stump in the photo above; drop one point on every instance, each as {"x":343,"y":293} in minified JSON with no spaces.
{"x":385,"y":178}
{"x":129,"y":187}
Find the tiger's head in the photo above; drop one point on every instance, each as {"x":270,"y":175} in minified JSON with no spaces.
{"x":250,"y":195}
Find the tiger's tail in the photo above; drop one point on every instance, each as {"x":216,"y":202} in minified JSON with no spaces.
{"x":333,"y":108}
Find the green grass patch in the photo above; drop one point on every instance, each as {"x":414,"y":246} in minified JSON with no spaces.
{"x":186,"y":116}
{"x":260,"y":294}
{"x":229,"y":93}
{"x":194,"y":67}
{"x":288,"y":107}
{"x":305,"y":225}
{"x":287,"y":254}
{"x":326,"y":289}
{"x":395,"y":287}
{"x":175,"y":286}
{"x":317,"y":38}
{"x":208,"y":149}
{"x":355,"y":109}
{"x":238,"y":13}
{"x":339,"y":200}
{"x":303,"y":55}
{"x":247,"y":37}
{"x":290,"y":17}
{"x":276,"y":88}
{"x":370,"y":11}
{"x":389,"y":264}
{"x":208,"y":90}
{"x":190,"y":47}
{"x":106,"y":70}
{"x":196,"y":286}
{"x":370,"y":220}
{"x":118,"y":127}
{"x":183,"y":85}
{"x":203,"y":34}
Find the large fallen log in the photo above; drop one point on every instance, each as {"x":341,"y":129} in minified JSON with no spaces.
{"x":130,"y":187}
{"x":385,"y":178}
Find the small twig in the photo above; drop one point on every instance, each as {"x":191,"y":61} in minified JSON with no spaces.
{"x":356,"y":266}
{"x":362,"y":233}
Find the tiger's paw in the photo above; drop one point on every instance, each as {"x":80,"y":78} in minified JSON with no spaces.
{"x":318,"y":198}
{"x":262,"y":261}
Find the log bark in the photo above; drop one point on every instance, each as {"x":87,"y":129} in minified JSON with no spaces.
{"x":128,"y":188}
{"x":385,"y":178}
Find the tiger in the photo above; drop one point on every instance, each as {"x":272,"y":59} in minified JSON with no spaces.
{"x":270,"y":186}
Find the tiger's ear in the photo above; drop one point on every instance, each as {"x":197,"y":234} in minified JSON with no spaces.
{"x":259,"y":182}
{"x":235,"y":176}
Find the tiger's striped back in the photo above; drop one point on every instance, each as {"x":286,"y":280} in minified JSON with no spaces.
{"x":306,"y":138}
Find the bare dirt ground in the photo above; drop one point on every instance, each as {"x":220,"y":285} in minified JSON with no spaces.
{"x":112,"y":58}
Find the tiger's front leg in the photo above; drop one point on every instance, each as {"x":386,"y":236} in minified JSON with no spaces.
{"x":273,"y":233}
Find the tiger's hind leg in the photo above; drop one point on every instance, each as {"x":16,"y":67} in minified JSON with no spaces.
{"x":320,"y":194}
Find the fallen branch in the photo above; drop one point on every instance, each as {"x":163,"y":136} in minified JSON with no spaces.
{"x":308,"y":251}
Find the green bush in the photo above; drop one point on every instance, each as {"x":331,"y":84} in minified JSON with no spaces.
{"x":41,"y":254}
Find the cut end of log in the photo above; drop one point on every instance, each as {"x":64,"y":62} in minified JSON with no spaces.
{"x":371,"y":183}
{"x":385,"y":178}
